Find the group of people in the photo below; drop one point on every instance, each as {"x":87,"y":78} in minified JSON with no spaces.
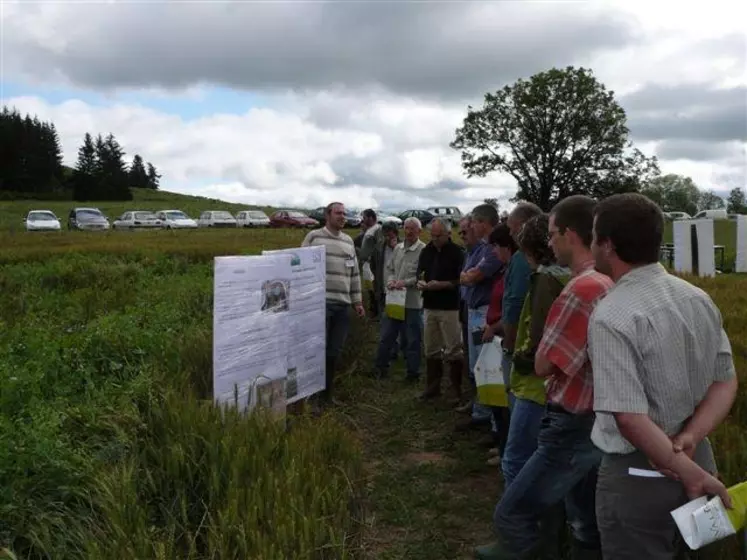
{"x":616,"y":370}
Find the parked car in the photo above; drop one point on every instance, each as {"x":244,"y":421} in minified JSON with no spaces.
{"x":41,"y":220}
{"x":175,"y":219}
{"x":216,"y":218}
{"x":384,"y":218}
{"x":450,"y":213}
{"x":352,"y":219}
{"x":137,"y":219}
{"x":719,"y":214}
{"x":677,"y":216}
{"x":319,"y":215}
{"x":87,"y":219}
{"x":292,"y":218}
{"x":252,"y":218}
{"x":424,"y":216}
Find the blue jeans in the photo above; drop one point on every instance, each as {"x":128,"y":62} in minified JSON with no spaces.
{"x":562,"y":469}
{"x":411,"y":330}
{"x":523,"y":430}
{"x":476,"y":320}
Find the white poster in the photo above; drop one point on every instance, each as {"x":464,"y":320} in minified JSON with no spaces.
{"x":306,"y":321}
{"x":741,"y":263}
{"x":706,"y":251}
{"x":250,"y":341}
{"x":683,"y":249}
{"x":683,"y":254}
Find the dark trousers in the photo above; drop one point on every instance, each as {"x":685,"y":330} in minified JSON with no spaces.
{"x":563,"y":469}
{"x":338,"y":325}
{"x":410,"y":330}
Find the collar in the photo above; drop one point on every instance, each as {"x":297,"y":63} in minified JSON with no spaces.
{"x":585,"y":266}
{"x":642,"y":273}
{"x":332,"y":232}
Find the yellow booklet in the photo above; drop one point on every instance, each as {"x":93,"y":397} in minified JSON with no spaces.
{"x":703,"y":521}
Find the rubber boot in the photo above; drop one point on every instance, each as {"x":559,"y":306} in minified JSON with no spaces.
{"x":455,"y":378}
{"x":434,"y":369}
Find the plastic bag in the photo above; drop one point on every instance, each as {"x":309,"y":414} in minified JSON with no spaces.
{"x":395,"y":304}
{"x":491,"y":391}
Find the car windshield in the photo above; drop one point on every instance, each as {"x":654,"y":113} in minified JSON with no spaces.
{"x":176,"y":215}
{"x":145,"y":216}
{"x":296,"y":215}
{"x":41,"y":216}
{"x":256,"y":214}
{"x":89,"y":214}
{"x":222,"y":215}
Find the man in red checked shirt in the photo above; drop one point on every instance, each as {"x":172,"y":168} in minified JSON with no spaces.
{"x":564,"y":466}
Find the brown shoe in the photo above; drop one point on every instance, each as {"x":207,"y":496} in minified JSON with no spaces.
{"x":465,"y":408}
{"x":434,"y":369}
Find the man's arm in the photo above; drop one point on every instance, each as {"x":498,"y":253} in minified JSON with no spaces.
{"x":389,"y":268}
{"x":716,"y":404}
{"x":367,"y":247}
{"x":356,"y":293}
{"x":307,"y":240}
{"x":618,"y":390}
{"x":517,"y":285}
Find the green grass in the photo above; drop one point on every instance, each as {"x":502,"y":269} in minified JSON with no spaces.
{"x":110,"y":448}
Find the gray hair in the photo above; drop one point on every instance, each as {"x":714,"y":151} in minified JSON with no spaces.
{"x":413,"y":220}
{"x":444,"y":223}
{"x":485,"y":213}
{"x":524,"y":211}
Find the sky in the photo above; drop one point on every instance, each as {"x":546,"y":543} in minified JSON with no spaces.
{"x":300,"y":103}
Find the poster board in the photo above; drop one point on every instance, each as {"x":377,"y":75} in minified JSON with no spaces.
{"x":689,"y":258}
{"x":250,"y":336}
{"x":741,"y":262}
{"x":306,"y":318}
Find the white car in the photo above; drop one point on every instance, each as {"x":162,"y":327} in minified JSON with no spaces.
{"x":42,"y":220}
{"x":383,"y":218}
{"x":137,"y":219}
{"x":216,"y":218}
{"x":175,"y":219}
{"x":252,"y":218}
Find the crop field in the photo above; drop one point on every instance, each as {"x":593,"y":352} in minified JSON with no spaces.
{"x":110,"y":448}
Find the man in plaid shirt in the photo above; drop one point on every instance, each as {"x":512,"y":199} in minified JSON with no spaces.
{"x":564,"y":466}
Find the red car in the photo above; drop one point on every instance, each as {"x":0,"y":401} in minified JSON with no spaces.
{"x":292,"y":218}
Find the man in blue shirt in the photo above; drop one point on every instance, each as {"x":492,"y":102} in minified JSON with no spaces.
{"x":479,"y":278}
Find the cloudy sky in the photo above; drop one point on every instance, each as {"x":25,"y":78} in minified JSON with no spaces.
{"x":299,"y":103}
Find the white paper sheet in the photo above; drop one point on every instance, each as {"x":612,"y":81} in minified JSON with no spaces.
{"x":250,"y":318}
{"x":702,"y":522}
{"x":683,"y":257}
{"x":741,"y":262}
{"x":306,"y":321}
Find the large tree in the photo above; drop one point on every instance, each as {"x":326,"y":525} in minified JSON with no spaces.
{"x":154,"y":177}
{"x":710,"y":201}
{"x":673,"y":193}
{"x":85,"y":177}
{"x":736,"y":202}
{"x":558,"y":133}
{"x":113,"y":175}
{"x":138,"y":176}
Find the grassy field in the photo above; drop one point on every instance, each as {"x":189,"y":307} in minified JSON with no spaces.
{"x":110,"y":449}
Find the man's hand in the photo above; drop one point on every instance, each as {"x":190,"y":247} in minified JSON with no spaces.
{"x":684,"y":442}
{"x":360,"y":310}
{"x":488,"y":334}
{"x":390,"y":284}
{"x":422,"y":285}
{"x":399,"y":285}
{"x":705,"y":484}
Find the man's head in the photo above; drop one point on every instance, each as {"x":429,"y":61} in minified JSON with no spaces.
{"x":440,"y":233}
{"x":484,"y":219}
{"x":412,"y":229}
{"x":465,"y":232}
{"x":369,"y":218}
{"x":503,"y":244}
{"x":520,"y":215}
{"x":533,"y":241}
{"x":391,"y":235}
{"x":572,"y":228}
{"x":335,"y":215}
{"x":628,"y":229}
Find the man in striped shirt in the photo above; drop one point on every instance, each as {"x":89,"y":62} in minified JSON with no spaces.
{"x":664,"y":379}
{"x":343,"y":285}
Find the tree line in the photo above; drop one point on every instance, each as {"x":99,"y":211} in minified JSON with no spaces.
{"x":561,"y":132}
{"x":31,"y":164}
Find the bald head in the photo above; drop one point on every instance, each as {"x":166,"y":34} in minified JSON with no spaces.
{"x":439,"y":233}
